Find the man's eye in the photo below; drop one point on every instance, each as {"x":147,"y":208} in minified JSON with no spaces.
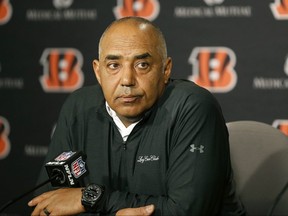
{"x":113,"y":66}
{"x":143,"y":65}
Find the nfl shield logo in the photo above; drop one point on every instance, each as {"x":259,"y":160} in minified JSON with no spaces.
{"x":78,"y":167}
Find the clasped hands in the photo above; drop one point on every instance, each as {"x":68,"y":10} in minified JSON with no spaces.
{"x":67,"y":201}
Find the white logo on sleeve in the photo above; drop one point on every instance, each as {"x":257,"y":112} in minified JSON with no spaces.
{"x":196,"y":148}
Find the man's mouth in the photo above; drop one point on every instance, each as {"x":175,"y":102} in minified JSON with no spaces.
{"x":128,"y":98}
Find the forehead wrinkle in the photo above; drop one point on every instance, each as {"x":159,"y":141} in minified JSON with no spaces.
{"x":117,"y":48}
{"x":134,"y":24}
{"x":125,"y":48}
{"x":112,"y":57}
{"x":121,"y":41}
{"x":136,"y":56}
{"x":143,"y":56}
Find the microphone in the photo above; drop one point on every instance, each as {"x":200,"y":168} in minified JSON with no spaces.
{"x":70,"y":167}
{"x":65,"y":170}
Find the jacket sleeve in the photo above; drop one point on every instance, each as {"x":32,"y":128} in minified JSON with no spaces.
{"x":76,"y":103}
{"x":199,"y":173}
{"x":199,"y":165}
{"x":60,"y":142}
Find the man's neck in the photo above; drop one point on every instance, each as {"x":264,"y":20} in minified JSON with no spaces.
{"x":126,"y":121}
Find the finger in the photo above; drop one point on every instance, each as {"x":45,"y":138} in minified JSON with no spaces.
{"x":141,"y":211}
{"x":39,"y":209}
{"x":148,"y":210}
{"x":39,"y":198}
{"x":46,"y":211}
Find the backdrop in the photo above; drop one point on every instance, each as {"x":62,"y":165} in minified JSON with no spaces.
{"x":237,"y":49}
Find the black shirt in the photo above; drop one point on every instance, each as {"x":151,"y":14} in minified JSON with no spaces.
{"x":176,"y":158}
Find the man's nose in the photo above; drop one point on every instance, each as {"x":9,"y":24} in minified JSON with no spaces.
{"x":128,"y":76}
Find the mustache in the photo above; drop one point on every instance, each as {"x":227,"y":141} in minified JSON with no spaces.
{"x":127,"y":91}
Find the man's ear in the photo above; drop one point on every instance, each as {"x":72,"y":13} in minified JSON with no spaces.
{"x":97,"y":70}
{"x":167,"y":69}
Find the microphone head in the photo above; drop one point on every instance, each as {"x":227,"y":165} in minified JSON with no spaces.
{"x":69,"y":167}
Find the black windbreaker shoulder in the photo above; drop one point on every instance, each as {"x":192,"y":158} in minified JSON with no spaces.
{"x":82,"y":100}
{"x":188,"y":94}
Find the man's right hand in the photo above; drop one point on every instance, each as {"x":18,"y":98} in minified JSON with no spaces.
{"x":140,"y":211}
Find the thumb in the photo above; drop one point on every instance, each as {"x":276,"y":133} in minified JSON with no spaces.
{"x":149,"y":209}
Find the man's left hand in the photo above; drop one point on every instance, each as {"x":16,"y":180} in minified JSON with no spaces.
{"x":65,"y":201}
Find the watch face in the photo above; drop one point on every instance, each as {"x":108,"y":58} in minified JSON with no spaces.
{"x":91,"y":194}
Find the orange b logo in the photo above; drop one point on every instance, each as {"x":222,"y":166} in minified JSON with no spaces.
{"x":148,"y":9}
{"x":5,"y":11}
{"x":4,"y":140}
{"x":213,"y":68}
{"x":282,"y":125}
{"x":280,"y":9}
{"x":62,"y":69}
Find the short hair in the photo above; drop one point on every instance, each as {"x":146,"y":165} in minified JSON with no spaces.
{"x":140,"y":20}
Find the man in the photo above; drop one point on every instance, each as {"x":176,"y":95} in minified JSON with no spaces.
{"x":154,"y":145}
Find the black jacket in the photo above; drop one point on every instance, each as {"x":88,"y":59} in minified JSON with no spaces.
{"x":177,"y":157}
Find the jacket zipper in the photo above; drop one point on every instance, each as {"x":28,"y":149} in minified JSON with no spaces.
{"x":124,"y":145}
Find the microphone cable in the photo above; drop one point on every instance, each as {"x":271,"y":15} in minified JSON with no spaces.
{"x":277,"y":199}
{"x":10,"y":202}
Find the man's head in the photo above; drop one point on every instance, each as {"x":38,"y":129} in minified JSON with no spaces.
{"x":133,"y":67}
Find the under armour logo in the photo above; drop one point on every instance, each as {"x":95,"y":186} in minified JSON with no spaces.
{"x":195,"y":148}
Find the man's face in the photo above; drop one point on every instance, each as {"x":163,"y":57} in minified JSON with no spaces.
{"x":131,"y":70}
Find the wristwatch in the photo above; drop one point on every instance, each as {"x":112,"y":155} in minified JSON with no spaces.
{"x":91,"y":196}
